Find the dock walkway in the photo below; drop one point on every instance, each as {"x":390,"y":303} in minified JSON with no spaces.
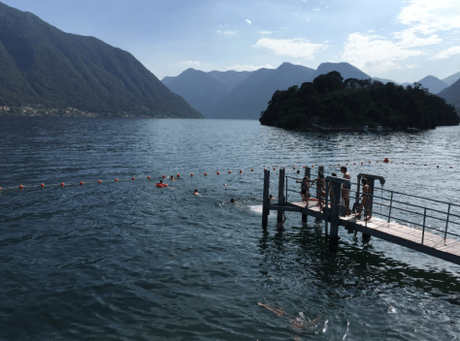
{"x":441,"y":243}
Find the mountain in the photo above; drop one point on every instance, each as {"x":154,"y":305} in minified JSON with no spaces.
{"x":452,"y":79}
{"x":433,"y":84}
{"x":452,"y":94}
{"x":230,"y":78}
{"x":247,"y":92}
{"x":345,"y":69}
{"x":39,"y":64}
{"x":249,"y":98}
{"x":198,"y":88}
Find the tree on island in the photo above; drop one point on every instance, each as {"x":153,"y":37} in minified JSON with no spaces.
{"x":354,"y":102}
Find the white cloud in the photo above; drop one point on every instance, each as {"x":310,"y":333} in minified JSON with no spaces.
{"x":229,"y":33}
{"x":195,"y":63}
{"x":375,"y":54}
{"x":447,"y":53}
{"x":248,"y":21}
{"x":297,"y":48}
{"x":265,"y":32}
{"x":249,"y":67}
{"x":408,"y":38}
{"x":428,"y":16}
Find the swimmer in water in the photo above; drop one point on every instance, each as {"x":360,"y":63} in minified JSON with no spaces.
{"x":196,"y":192}
{"x":299,"y":323}
{"x":232,"y":200}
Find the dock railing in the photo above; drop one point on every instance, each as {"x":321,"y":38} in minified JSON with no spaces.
{"x":439,"y":217}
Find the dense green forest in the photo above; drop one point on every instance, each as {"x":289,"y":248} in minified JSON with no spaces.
{"x":330,"y":101}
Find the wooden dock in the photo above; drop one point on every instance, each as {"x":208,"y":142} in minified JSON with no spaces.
{"x":434,"y":242}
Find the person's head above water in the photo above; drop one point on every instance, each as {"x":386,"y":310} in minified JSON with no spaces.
{"x":343,"y":169}
{"x":334,"y":174}
{"x":161,"y":181}
{"x":232,"y":200}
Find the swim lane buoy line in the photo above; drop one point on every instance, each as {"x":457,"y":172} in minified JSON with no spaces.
{"x":161,"y":185}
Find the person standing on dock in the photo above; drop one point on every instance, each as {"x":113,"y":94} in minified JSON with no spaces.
{"x":346,"y":190}
{"x":320,"y":190}
{"x":304,"y":188}
{"x":364,"y":200}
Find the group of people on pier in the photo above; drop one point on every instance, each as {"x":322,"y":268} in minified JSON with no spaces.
{"x":363,"y":201}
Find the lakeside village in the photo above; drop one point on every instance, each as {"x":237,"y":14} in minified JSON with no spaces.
{"x":40,"y":111}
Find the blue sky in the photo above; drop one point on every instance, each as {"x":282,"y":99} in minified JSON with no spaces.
{"x":400,"y":40}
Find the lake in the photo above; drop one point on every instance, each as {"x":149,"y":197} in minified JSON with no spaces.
{"x":127,"y":260}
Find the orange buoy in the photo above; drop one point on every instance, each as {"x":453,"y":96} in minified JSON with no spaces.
{"x":205,"y":174}
{"x":425,"y":164}
{"x":330,"y":165}
{"x":164,"y":176}
{"x":414,"y":163}
{"x":116,"y":180}
{"x":81,"y":183}
{"x":403,"y":162}
{"x":62,"y":184}
{"x":303,"y":166}
{"x":191,"y":174}
{"x":178,"y":175}
{"x":42,"y":185}
{"x":312,"y":166}
{"x":265,"y":168}
{"x":241,"y":171}
{"x":294,"y":167}
{"x":229,"y":172}
{"x":362,"y":163}
{"x":386,"y":160}
{"x":377,"y":161}
{"x":218,"y":173}
{"x":347,"y":164}
{"x":134,"y":178}
{"x":354,"y":163}
{"x":148,"y":177}
{"x":369,"y":162}
{"x":99,"y":181}
{"x":274,"y":168}
{"x":437,"y":166}
{"x":21,"y":186}
{"x":450,"y":168}
{"x":252,"y":170}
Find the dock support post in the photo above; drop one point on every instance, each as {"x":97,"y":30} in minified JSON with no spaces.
{"x":281,"y":194}
{"x":266,"y":199}
{"x":307,"y":173}
{"x":334,"y":216}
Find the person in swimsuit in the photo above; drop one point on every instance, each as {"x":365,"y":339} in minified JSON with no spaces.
{"x":196,"y":192}
{"x":298,"y":323}
{"x":304,"y":188}
{"x":320,"y":191}
{"x":346,"y":190}
{"x":364,"y":200}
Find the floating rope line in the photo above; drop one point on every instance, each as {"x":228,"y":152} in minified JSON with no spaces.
{"x":240,"y":171}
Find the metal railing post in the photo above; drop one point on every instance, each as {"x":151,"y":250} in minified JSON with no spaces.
{"x":286,"y":196}
{"x":447,"y":222}
{"x":391,"y":205}
{"x":424,"y":220}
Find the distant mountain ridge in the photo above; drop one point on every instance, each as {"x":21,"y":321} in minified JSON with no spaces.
{"x":248,"y":93}
{"x":433,"y":84}
{"x":41,"y":65}
{"x":244,"y":95}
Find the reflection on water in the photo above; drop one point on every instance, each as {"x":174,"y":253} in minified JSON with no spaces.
{"x":131,"y":261}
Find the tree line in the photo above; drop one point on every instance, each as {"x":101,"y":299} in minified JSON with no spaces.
{"x":333,"y":102}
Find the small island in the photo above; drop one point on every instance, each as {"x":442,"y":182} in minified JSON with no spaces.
{"x":331,"y":103}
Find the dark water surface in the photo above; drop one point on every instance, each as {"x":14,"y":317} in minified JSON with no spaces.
{"x":130,"y":261}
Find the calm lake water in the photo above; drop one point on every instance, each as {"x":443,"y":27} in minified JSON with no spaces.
{"x":130,"y":261}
